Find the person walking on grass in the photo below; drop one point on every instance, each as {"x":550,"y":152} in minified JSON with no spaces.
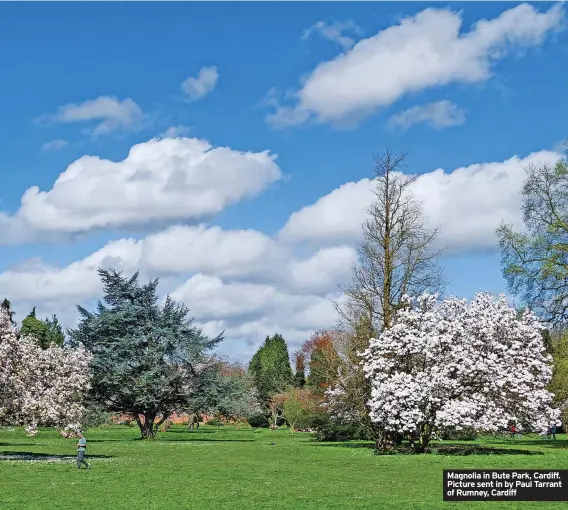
{"x":553,"y":431}
{"x":81,"y":448}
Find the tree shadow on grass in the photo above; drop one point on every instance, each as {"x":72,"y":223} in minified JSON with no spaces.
{"x":177,"y":431}
{"x":548,"y":443}
{"x":437,"y":449}
{"x":205,"y":439}
{"x":346,"y":445}
{"x":22,"y":444}
{"x":45,"y":457}
{"x":113,"y":440}
{"x":475,"y":449}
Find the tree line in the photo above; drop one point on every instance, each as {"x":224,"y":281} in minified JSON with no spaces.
{"x":403,"y":364}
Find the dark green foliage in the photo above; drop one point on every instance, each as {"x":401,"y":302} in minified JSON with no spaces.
{"x":465,"y":434}
{"x":215,"y":423}
{"x":7,"y":306}
{"x":95,"y":416}
{"x":54,"y":334}
{"x":147,"y":358}
{"x":46,"y":333}
{"x":270,"y":368}
{"x":328,"y":430}
{"x":225,"y":390}
{"x":34,"y":328}
{"x":258,"y":420}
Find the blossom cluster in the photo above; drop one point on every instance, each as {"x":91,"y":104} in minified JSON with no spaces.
{"x":456,"y":364}
{"x":40,"y":386}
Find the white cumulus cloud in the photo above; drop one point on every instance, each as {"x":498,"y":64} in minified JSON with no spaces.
{"x":159,"y":180}
{"x":425,"y":50}
{"x":469,"y":203}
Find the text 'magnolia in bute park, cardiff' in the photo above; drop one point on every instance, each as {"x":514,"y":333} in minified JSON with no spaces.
{"x":505,"y":485}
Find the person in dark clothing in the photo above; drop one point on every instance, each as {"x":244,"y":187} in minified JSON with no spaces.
{"x":553,"y":432}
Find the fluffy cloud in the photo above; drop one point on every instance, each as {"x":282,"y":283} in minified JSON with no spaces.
{"x":252,"y":285}
{"x":468,"y":202}
{"x":211,"y":250}
{"x":323,"y":271}
{"x":163,"y":179}
{"x":249,"y":312}
{"x":422,"y":51}
{"x":335,"y":217}
{"x":75,"y":283}
{"x":334,"y":32}
{"x":440,"y":114}
{"x":109,"y":112}
{"x":204,"y":83}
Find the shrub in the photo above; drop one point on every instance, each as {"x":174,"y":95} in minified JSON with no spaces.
{"x":329,"y":430}
{"x":452,"y":434}
{"x":216,"y":423}
{"x":95,"y":417}
{"x":258,"y":420}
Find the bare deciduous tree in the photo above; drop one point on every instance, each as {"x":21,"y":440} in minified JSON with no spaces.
{"x":396,"y":256}
{"x":398,"y":252}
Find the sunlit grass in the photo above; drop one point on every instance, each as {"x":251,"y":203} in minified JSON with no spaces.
{"x":222,"y":468}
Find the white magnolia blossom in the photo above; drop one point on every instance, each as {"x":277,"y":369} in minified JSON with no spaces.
{"x":459,"y":364}
{"x":37,"y":386}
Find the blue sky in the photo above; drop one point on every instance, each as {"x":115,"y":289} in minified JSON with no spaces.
{"x":323,"y":86}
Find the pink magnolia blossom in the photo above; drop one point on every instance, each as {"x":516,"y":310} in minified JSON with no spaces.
{"x":37,"y":386}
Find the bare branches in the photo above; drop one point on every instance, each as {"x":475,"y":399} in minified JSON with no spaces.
{"x":397,"y":254}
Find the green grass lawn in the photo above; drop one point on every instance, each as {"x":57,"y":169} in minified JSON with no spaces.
{"x":239,"y":469}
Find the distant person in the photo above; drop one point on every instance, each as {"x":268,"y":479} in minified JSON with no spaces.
{"x":81,"y":449}
{"x":513,"y":431}
{"x":553,"y":432}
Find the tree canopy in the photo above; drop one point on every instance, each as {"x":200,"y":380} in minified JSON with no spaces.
{"x":147,"y":357}
{"x":270,"y":368}
{"x":535,"y":262}
{"x":40,"y":386}
{"x":459,"y":364}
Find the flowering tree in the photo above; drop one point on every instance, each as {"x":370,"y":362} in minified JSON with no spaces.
{"x":459,"y":364}
{"x":39,"y":386}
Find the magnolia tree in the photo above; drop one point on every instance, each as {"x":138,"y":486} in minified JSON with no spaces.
{"x":459,"y":364}
{"x":39,"y":386}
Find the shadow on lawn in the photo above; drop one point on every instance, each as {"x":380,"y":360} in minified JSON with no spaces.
{"x":205,"y":439}
{"x":34,"y":456}
{"x":22,"y":444}
{"x":174,"y":431}
{"x":113,"y":440}
{"x":346,"y":445}
{"x":548,"y":443}
{"x":443,"y":449}
{"x":475,"y":449}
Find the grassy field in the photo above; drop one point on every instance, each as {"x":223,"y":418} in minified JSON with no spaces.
{"x":232,"y":469}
